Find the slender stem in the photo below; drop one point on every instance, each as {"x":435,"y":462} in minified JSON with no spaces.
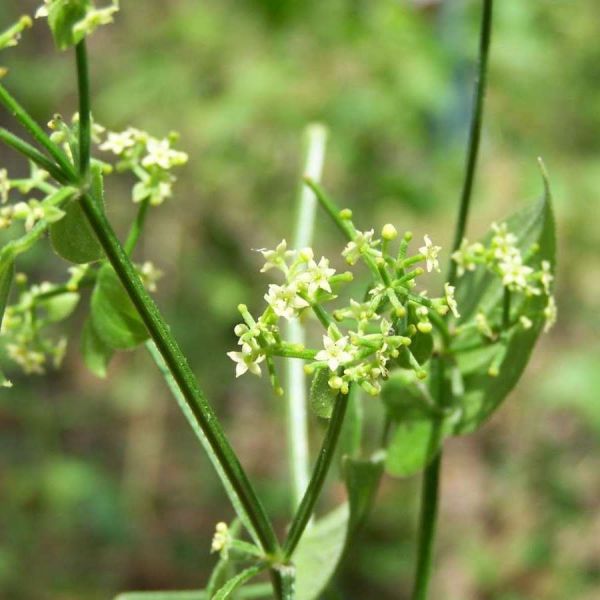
{"x":427,"y":526}
{"x":137,"y":226}
{"x":85,"y":118}
{"x":297,"y":421}
{"x":37,"y":132}
{"x":317,"y":480}
{"x":183,"y":375}
{"x":431,"y":477}
{"x":33,"y":154}
{"x":475,"y":131}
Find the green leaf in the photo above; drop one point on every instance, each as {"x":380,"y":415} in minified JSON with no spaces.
{"x":63,"y":15}
{"x":321,"y":548}
{"x":420,"y":425}
{"x":351,"y":434}
{"x":322,"y":397}
{"x":483,"y":393}
{"x":59,"y":307}
{"x":96,"y":354}
{"x":362,"y":477}
{"x":72,"y":237}
{"x":258,"y":590}
{"x":114,"y":316}
{"x":319,"y":552}
{"x":237,"y":581}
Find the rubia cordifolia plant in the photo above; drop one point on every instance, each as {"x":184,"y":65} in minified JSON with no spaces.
{"x":437,"y":365}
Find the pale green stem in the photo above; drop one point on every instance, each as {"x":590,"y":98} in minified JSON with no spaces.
{"x":297,"y":422}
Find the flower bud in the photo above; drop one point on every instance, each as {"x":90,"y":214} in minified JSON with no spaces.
{"x":389,"y":232}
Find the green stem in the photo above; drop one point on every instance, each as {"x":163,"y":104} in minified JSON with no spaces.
{"x":317,"y":480}
{"x":137,"y":226}
{"x":297,"y":421}
{"x":37,"y":132}
{"x":475,"y":131}
{"x":177,"y":363}
{"x":33,"y":154}
{"x":85,"y":117}
{"x":331,"y":209}
{"x":427,"y":526}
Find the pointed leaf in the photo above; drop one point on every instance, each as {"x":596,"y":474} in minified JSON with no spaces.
{"x":96,"y":354}
{"x":483,"y":393}
{"x":322,"y":397}
{"x":115,"y":319}
{"x":237,"y":581}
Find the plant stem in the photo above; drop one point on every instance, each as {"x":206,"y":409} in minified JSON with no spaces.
{"x":475,"y":131}
{"x":85,"y":117}
{"x":297,"y":422}
{"x":427,"y":526}
{"x":317,"y":480}
{"x":137,"y":226}
{"x":37,"y":132}
{"x":161,"y":334}
{"x":33,"y":154}
{"x":431,"y":477}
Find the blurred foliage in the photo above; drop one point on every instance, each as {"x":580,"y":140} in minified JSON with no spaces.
{"x":102,"y":486}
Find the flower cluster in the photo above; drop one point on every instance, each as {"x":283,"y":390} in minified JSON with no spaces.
{"x":149,"y":158}
{"x":502,"y":257}
{"x":221,"y":540}
{"x":362,"y":339}
{"x":91,"y":18}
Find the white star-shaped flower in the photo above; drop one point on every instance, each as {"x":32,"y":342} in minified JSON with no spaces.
{"x":285,"y":301}
{"x":317,"y":276}
{"x":335,"y":353}
{"x":430,"y":254}
{"x":246,"y":360}
{"x":276,"y":259}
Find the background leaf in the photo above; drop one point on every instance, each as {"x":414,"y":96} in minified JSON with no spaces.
{"x":482,"y":393}
{"x":115,"y":319}
{"x":96,"y":354}
{"x":322,"y":397}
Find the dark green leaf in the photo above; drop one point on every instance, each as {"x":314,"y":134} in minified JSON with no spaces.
{"x":322,"y":397}
{"x":114,"y":317}
{"x":96,"y":354}
{"x":63,"y":15}
{"x":483,"y":393}
{"x":406,"y":397}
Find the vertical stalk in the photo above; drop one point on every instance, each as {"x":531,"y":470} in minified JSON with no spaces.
{"x":431,"y":477}
{"x":305,"y":510}
{"x":475,"y":131}
{"x":85,"y":117}
{"x":427,"y":527}
{"x":160,"y":332}
{"x":297,"y":423}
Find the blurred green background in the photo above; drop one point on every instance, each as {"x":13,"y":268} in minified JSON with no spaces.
{"x":102,"y":485}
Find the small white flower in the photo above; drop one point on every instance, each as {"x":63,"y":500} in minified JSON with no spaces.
{"x":317,"y":276}
{"x":450,"y":300}
{"x":546,"y":276}
{"x":285,"y":301}
{"x":361,"y":244}
{"x":335,"y":353}
{"x":161,"y":154}
{"x":463,"y":257}
{"x":94,"y":18}
{"x":246,"y":360}
{"x":430,"y":254}
{"x":221,"y":539}
{"x":31,"y":361}
{"x":526,"y":322}
{"x":504,"y":243}
{"x":119,"y":142}
{"x":276,"y":259}
{"x":550,"y":313}
{"x":4,"y":186}
{"x":514,"y":273}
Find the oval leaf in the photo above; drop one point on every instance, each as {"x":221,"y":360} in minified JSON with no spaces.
{"x":96,"y":354}
{"x":322,"y":397}
{"x":114,"y":317}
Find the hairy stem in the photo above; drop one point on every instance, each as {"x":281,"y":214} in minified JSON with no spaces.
{"x":297,"y":422}
{"x":317,"y":480}
{"x":475,"y":132}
